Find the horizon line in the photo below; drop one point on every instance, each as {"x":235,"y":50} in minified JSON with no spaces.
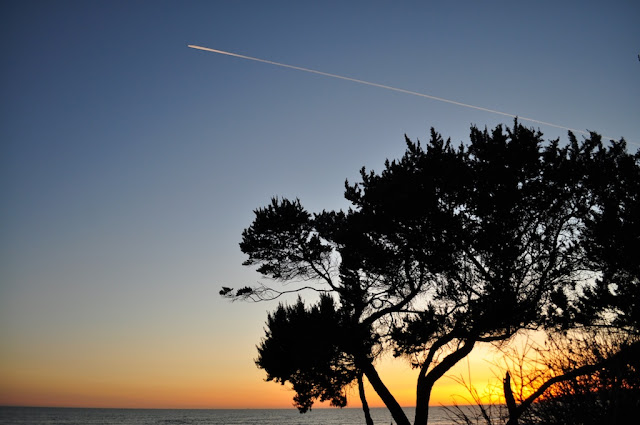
{"x":217,"y":408}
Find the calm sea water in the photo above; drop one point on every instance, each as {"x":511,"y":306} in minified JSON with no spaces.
{"x":73,"y":416}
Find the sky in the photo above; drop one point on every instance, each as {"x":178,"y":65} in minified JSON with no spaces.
{"x":130,"y":164}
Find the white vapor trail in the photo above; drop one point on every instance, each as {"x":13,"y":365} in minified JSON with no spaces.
{"x":382,"y":86}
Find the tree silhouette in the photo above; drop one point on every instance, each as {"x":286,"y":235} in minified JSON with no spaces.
{"x":313,"y":349}
{"x":590,"y":378}
{"x":445,"y":249}
{"x":610,"y":303}
{"x":612,"y":241}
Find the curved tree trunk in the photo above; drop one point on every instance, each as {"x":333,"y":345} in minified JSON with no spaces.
{"x":363,"y":399}
{"x":387,"y":398}
{"x":427,"y":380}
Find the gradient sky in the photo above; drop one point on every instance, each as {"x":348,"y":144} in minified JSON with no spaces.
{"x":130,"y":164}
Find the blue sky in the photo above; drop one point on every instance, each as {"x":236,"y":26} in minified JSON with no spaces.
{"x":130,"y":163}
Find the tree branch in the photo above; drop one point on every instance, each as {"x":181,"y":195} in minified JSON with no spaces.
{"x":630,"y":352}
{"x":263,"y":293}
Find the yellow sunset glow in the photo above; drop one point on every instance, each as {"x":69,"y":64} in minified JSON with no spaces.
{"x":197,"y":381}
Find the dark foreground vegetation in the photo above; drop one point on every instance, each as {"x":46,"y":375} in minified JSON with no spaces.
{"x":452,"y":247}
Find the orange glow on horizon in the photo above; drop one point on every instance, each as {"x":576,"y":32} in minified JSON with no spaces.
{"x":211,"y":377}
{"x":197,"y":387}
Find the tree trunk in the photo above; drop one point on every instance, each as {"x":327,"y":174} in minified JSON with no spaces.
{"x":510,"y":400}
{"x":387,"y":398}
{"x":363,"y":399}
{"x":427,"y":380}
{"x":423,"y":395}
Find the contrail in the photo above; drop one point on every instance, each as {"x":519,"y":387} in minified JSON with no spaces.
{"x":382,"y":86}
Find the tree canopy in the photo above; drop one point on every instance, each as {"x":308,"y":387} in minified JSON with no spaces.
{"x":444,"y":249}
{"x":309,"y":348}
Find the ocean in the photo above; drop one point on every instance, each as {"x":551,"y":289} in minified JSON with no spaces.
{"x":81,"y":416}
